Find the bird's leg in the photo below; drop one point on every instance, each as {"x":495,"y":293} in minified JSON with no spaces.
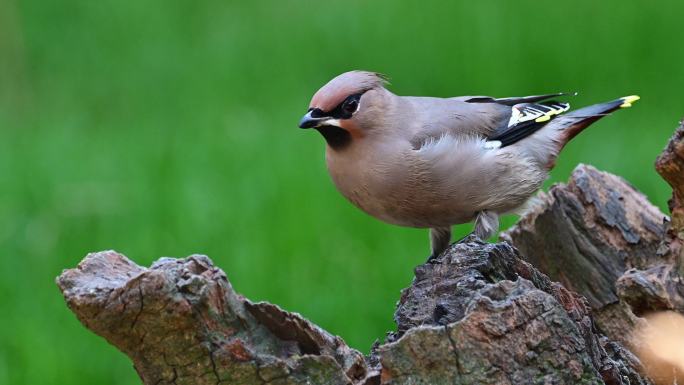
{"x":440,"y":237}
{"x":486,"y":224}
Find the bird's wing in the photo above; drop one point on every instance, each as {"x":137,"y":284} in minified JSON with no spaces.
{"x":501,"y":121}
{"x":526,"y":119}
{"x":510,"y":101}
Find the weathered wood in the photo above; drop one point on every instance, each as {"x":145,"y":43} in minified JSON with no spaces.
{"x":600,"y":237}
{"x":475,"y":314}
{"x":181,"y":322}
{"x":670,"y":165}
{"x":478,"y":314}
{"x":481,"y":315}
{"x":587,"y":232}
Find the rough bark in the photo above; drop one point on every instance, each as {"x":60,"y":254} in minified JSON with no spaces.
{"x":601,"y":238}
{"x":586,"y":234}
{"x":475,"y":314}
{"x":181,"y":322}
{"x":478,"y":314}
{"x":670,"y":165}
{"x":481,"y":315}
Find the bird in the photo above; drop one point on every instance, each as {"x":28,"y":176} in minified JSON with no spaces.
{"x":431,"y":162}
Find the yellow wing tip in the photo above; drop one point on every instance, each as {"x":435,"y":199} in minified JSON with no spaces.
{"x":628,"y":100}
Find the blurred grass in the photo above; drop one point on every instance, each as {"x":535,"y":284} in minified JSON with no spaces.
{"x":169,"y":128}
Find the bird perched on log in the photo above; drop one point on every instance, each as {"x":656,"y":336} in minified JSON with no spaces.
{"x":430,"y":162}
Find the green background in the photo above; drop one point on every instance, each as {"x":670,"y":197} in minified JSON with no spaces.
{"x":165,"y":128}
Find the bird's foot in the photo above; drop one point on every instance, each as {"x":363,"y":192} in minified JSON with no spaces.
{"x":468,"y":238}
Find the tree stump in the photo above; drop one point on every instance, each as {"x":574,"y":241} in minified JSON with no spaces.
{"x":479,"y":314}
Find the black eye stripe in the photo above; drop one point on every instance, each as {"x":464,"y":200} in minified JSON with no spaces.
{"x":340,"y":112}
{"x":317,"y":113}
{"x":344,"y":110}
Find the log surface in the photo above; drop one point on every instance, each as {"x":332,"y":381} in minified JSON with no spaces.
{"x":556,"y":303}
{"x":475,"y":314}
{"x":181,"y":322}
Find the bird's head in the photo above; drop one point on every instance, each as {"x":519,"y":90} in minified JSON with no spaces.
{"x":347,"y":107}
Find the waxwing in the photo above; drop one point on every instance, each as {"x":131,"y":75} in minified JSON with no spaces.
{"x":431,"y":162}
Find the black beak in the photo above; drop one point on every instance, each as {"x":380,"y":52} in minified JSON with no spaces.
{"x":310,"y":122}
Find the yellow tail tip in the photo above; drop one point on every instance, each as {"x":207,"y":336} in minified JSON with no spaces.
{"x":628,"y":100}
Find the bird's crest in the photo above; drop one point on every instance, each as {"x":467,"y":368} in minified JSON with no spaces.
{"x":348,"y":83}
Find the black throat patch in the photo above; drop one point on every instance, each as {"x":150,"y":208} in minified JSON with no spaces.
{"x":337,"y":137}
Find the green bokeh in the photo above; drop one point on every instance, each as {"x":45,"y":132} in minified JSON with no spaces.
{"x":160,"y":128}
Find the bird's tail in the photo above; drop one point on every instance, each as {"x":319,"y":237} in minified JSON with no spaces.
{"x":565,"y":127}
{"x":576,"y":121}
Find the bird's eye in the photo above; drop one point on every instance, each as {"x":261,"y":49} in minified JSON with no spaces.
{"x":350,"y":106}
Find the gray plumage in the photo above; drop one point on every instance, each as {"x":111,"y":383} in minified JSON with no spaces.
{"x":436,"y":162}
